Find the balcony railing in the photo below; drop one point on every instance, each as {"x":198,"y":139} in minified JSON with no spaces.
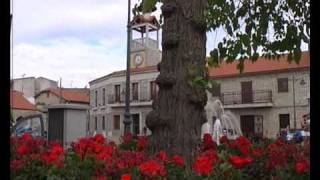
{"x":238,"y":97}
{"x":112,"y":99}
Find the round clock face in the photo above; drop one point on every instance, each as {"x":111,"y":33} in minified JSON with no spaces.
{"x":138,"y":59}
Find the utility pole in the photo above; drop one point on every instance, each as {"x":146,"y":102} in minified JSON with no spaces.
{"x":127,"y":115}
{"x":294,"y":102}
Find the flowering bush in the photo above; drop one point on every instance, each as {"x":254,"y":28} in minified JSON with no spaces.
{"x":93,"y":158}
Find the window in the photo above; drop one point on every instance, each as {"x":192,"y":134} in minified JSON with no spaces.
{"x":116,"y":122}
{"x":135,"y":124}
{"x":88,"y":125}
{"x":96,"y":123}
{"x":284,"y":121}
{"x":96,"y":98}
{"x":103,"y":123}
{"x":103,"y":96}
{"x":135,"y":91}
{"x":283,"y":85}
{"x":117,"y":93}
{"x":153,"y":90}
{"x":216,"y":90}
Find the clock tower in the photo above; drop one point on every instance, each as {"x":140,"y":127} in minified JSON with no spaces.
{"x":144,"y":41}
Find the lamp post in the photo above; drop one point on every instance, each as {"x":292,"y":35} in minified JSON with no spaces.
{"x":127,"y":115}
{"x":294,"y":103}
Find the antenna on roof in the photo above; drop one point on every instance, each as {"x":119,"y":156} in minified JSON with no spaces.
{"x":60,"y":90}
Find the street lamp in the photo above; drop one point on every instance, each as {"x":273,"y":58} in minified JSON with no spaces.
{"x":127,"y":115}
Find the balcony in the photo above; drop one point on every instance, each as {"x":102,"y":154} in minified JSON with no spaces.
{"x":137,"y":101}
{"x":252,"y":99}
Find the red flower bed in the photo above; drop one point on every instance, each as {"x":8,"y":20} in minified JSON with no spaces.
{"x":95,"y":158}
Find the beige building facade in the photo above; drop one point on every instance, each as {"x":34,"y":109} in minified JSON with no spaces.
{"x":107,"y":102}
{"x":265,"y":99}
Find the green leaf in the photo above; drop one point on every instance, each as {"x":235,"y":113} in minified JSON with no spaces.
{"x":148,"y":5}
{"x":197,"y":78}
{"x":229,"y":29}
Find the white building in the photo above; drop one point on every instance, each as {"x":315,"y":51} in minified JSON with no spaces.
{"x":30,"y":86}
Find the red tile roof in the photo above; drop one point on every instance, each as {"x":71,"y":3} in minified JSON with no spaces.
{"x":18,"y":101}
{"x":262,"y":65}
{"x":69,"y":95}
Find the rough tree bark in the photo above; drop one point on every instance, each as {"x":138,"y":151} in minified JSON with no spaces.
{"x":178,"y":113}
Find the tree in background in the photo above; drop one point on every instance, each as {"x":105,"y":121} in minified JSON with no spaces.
{"x":254,"y":28}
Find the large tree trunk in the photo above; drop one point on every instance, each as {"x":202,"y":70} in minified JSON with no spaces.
{"x":178,"y":113}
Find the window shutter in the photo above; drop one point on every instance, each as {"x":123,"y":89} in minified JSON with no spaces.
{"x":144,"y":93}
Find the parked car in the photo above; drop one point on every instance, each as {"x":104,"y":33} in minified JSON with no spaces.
{"x":33,"y":124}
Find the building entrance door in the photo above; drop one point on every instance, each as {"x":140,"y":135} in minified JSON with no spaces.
{"x":247,"y":124}
{"x":135,"y":124}
{"x":246,"y":92}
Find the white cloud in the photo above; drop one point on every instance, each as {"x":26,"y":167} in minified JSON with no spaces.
{"x":78,"y":40}
{"x":71,"y":59}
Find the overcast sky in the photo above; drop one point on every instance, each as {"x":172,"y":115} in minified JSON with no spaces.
{"x":77,"y":40}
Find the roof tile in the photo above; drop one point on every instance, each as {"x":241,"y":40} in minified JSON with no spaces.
{"x":69,"y":95}
{"x":262,"y":65}
{"x":20,"y":102}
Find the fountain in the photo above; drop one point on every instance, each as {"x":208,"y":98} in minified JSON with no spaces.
{"x":225,"y":123}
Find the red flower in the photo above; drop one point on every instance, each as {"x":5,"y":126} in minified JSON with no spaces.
{"x":55,"y":156}
{"x":278,"y":155}
{"x":211,"y":154}
{"x":106,"y":153}
{"x":99,"y":138}
{"x":152,"y":169}
{"x":239,"y":162}
{"x":203,"y":165}
{"x":142,"y":143}
{"x":248,"y":160}
{"x":258,"y":152}
{"x":224,"y":140}
{"x":26,"y":137}
{"x":57,"y":150}
{"x":163,"y":156}
{"x":244,"y":150}
{"x":178,"y":160}
{"x":126,"y":177}
{"x":127,"y":138}
{"x":301,"y":167}
{"x":243,"y":144}
{"x":22,"y":150}
{"x":208,"y":142}
{"x":97,"y":148}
